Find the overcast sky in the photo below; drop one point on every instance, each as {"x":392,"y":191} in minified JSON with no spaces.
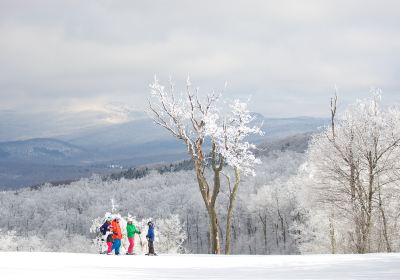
{"x":73,"y":56}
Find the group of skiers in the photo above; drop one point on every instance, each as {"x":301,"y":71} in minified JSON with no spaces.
{"x":112,"y":235}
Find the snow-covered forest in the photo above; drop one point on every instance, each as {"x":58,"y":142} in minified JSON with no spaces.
{"x":59,"y":218}
{"x":340,"y":195}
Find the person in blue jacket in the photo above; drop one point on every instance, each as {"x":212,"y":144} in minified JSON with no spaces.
{"x":105,"y":226}
{"x":105,"y":230}
{"x":150,"y":239}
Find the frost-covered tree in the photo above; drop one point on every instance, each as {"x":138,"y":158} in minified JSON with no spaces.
{"x":171,"y":235}
{"x":194,"y":120}
{"x":355,"y":165}
{"x":185,"y":117}
{"x":8,"y":241}
{"x":230,"y":139}
{"x":281,"y":217}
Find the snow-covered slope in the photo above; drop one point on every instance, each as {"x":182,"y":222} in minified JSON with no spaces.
{"x":44,"y":266}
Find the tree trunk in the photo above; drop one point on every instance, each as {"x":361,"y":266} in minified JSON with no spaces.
{"x":332,"y":235}
{"x":212,"y":214}
{"x":283,"y":229}
{"x":357,"y":213}
{"x":366,"y":208}
{"x":232,"y":198}
{"x":263,"y":219}
{"x":214,"y":234}
{"x":210,"y":198}
{"x":384,"y":222}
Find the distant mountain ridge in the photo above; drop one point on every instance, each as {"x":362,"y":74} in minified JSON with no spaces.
{"x":38,"y":149}
{"x":21,"y":125}
{"x":296,"y":143}
{"x":103,"y":149}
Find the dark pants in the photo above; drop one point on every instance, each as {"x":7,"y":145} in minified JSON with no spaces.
{"x":151,"y":247}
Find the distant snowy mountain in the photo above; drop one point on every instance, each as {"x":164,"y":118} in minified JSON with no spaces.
{"x":44,"y":150}
{"x":120,"y":135}
{"x":141,"y":132}
{"x":17,"y":125}
{"x":35,"y":161}
{"x":283,"y":127}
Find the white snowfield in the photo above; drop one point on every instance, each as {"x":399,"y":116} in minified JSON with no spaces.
{"x":19,"y":265}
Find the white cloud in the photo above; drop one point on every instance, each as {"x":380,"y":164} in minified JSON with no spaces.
{"x":286,"y":54}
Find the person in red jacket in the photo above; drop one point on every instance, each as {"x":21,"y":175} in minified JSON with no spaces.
{"x":117,"y":235}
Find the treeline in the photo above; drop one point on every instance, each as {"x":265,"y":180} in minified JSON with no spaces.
{"x":140,"y":172}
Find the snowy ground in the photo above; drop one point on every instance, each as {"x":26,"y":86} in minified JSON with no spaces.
{"x":44,"y":266}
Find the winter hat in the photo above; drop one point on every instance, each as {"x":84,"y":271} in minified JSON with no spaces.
{"x":109,"y":218}
{"x":130,"y":219}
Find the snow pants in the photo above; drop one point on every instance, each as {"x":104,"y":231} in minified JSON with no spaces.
{"x":131,"y":245}
{"x":116,"y":245}
{"x":109,"y":247}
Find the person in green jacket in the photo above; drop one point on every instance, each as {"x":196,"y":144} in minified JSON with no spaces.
{"x":131,"y":230}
